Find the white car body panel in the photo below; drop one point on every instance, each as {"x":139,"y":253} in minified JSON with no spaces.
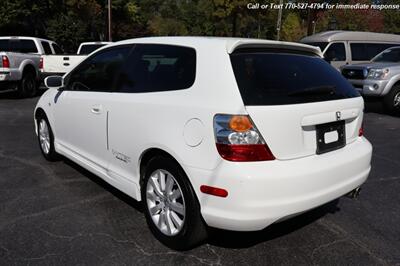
{"x":112,"y":143}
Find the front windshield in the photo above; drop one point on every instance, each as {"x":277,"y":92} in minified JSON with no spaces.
{"x":389,"y":55}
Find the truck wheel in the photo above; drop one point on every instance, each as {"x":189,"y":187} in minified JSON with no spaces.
{"x":170,"y":205}
{"x":391,"y":100}
{"x":27,"y":86}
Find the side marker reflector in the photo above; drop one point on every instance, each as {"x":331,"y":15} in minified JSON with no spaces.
{"x":219,"y":192}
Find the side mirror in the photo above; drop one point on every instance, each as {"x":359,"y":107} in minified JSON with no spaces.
{"x":54,"y":82}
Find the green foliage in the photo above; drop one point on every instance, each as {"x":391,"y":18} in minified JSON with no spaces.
{"x":68,"y":30}
{"x":291,"y":28}
{"x":70,"y":22}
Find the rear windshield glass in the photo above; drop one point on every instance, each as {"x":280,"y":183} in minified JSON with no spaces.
{"x":21,"y":46}
{"x":271,"y":78}
{"x":88,"y":48}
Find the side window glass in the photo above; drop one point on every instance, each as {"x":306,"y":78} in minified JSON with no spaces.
{"x":358,"y":52}
{"x":46,"y":47}
{"x":98,"y":72}
{"x":375,"y":48}
{"x":336,"y":52}
{"x":57,"y":48}
{"x":153,"y":68}
{"x":27,"y":46}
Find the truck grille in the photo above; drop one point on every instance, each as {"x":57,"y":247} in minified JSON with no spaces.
{"x":354,"y":73}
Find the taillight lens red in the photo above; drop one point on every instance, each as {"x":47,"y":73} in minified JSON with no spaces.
{"x":237,"y":139}
{"x":5,"y":61}
{"x":41,"y":63}
{"x":245,"y":153}
{"x":361,"y":130}
{"x":219,"y":192}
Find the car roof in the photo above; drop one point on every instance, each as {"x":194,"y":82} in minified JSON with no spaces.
{"x":329,"y":36}
{"x":230,"y":44}
{"x":24,"y":38}
{"x":98,"y":42}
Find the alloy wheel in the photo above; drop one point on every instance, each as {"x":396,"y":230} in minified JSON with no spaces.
{"x":165,"y":202}
{"x":44,"y":136}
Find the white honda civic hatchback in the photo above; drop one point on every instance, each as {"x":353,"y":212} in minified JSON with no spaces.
{"x":222,"y":132}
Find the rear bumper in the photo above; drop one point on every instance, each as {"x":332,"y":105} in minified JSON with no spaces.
{"x":261,"y":193}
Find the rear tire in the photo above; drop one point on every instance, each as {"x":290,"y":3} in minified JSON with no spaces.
{"x":391,"y":101}
{"x":46,"y":139}
{"x":27,"y":87}
{"x":170,"y":206}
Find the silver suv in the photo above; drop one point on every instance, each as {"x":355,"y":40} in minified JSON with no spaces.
{"x":378,"y":78}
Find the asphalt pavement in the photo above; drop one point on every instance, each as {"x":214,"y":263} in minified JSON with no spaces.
{"x":60,"y":214}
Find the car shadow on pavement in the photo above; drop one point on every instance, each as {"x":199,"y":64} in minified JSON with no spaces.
{"x":9,"y":95}
{"x":12,"y":95}
{"x":238,"y":240}
{"x":374,"y":105}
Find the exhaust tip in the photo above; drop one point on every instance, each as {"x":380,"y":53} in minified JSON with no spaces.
{"x":354,"y":193}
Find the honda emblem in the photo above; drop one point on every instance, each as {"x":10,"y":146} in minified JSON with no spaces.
{"x":338,"y":115}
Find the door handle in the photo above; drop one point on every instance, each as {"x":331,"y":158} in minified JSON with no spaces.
{"x":96,"y":109}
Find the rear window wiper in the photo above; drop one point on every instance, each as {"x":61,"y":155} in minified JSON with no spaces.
{"x":317,"y":90}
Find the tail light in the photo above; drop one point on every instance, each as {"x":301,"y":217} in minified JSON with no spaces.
{"x":361,"y":130}
{"x":238,"y":139}
{"x":5,"y":61}
{"x":41,"y":63}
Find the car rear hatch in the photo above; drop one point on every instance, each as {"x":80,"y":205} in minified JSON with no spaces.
{"x":300,"y":104}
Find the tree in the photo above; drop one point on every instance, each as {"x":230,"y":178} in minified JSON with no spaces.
{"x":68,"y":30}
{"x":292,"y":29}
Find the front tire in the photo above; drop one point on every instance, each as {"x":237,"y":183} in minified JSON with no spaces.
{"x":170,"y":205}
{"x":46,"y":139}
{"x":28,"y":85}
{"x":391,"y":100}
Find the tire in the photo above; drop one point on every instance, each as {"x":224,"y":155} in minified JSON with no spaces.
{"x":46,"y":139}
{"x":391,"y":101}
{"x":168,"y":208}
{"x":27,"y":87}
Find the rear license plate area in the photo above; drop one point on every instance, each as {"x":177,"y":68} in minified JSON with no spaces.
{"x":330,"y":136}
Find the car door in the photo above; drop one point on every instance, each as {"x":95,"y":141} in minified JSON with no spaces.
{"x":336,"y":54}
{"x":141,"y":106}
{"x":81,"y":108}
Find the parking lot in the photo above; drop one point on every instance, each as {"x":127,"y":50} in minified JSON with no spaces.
{"x":58,"y":213}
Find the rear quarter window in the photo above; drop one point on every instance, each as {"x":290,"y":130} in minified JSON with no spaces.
{"x":366,"y":51}
{"x":157,"y":68}
{"x":46,"y":48}
{"x":277,"y":78}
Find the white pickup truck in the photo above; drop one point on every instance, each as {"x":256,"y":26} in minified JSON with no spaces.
{"x":58,"y":65}
{"x":89,"y":47}
{"x":21,"y":63}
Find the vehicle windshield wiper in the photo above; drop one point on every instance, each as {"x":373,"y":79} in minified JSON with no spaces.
{"x":317,"y":90}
